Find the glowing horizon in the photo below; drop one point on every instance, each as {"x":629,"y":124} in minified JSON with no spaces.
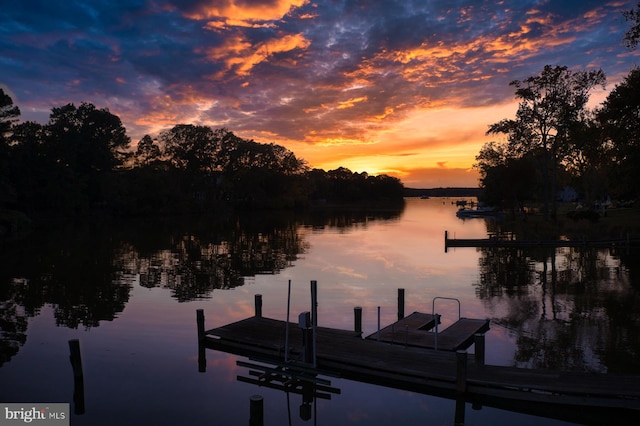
{"x":406,"y":89}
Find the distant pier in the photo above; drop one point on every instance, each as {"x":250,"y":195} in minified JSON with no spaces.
{"x":502,"y":242}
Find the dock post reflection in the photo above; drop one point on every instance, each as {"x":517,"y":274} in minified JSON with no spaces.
{"x":459,"y":414}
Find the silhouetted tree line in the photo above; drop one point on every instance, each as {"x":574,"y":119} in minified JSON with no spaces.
{"x":82,"y":160}
{"x":556,"y":141}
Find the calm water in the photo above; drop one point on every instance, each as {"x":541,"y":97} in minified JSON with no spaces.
{"x":130,"y":295}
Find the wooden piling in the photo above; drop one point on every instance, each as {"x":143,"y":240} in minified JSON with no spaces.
{"x":76,"y":358}
{"x":258,"y":303}
{"x":400,"y":303}
{"x":306,"y":325}
{"x":446,"y":240}
{"x":479,"y":346}
{"x":200,"y":322}
{"x":202,"y":356}
{"x":256,"y":411}
{"x":357,"y":319}
{"x":78,"y":376}
{"x":461,"y":371}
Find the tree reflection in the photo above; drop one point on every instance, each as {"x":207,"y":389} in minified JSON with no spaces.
{"x":200,"y":255}
{"x":194,"y":263}
{"x":85,"y":272}
{"x":13,"y":322}
{"x":569,"y":309}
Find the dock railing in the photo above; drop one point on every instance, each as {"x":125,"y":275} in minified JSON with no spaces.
{"x":437,"y":317}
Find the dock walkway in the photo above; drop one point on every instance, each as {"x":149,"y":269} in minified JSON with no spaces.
{"x":346,"y":354}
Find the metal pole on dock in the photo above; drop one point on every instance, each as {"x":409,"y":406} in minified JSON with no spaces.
{"x":258,"y":303}
{"x":314,"y":316}
{"x":479,"y":346}
{"x":435,"y":340}
{"x":256,"y":411}
{"x":357,"y":319}
{"x":78,"y":376}
{"x":202,"y":356}
{"x":461,"y":371}
{"x":378,"y":323}
{"x":286,"y":327}
{"x":400,"y":303}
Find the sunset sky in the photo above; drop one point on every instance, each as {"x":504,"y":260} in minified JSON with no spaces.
{"x":405,"y":87}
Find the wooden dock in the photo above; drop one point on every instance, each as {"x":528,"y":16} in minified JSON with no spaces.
{"x":502,"y":242}
{"x":345,"y":354}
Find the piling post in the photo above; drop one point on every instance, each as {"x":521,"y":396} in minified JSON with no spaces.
{"x":78,"y":376}
{"x":200,"y":321}
{"x":357,"y":319}
{"x":446,"y":240}
{"x":400,"y":303}
{"x":479,"y":345}
{"x":461,"y":371}
{"x":378,"y":323}
{"x":258,"y":304}
{"x":305,"y":324}
{"x":256,"y":411}
{"x":202,"y":356}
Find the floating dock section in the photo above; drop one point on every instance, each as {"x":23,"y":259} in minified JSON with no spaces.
{"x":403,"y":355}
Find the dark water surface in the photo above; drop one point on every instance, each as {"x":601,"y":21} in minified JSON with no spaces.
{"x":129,"y":292}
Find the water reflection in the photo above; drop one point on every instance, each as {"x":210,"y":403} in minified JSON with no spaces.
{"x":86,"y":271}
{"x":568,"y":309}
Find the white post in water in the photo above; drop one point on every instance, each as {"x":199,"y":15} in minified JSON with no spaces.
{"x":314,"y":316}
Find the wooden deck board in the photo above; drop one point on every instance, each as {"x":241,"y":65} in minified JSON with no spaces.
{"x":410,"y":333}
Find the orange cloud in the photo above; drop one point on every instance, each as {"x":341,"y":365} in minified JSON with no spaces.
{"x":241,"y":56}
{"x":350,"y":103}
{"x":244,"y":13}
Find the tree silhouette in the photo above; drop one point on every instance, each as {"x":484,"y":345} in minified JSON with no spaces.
{"x":619,"y":118}
{"x":632,"y":36}
{"x":550,"y":104}
{"x":9,"y":113}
